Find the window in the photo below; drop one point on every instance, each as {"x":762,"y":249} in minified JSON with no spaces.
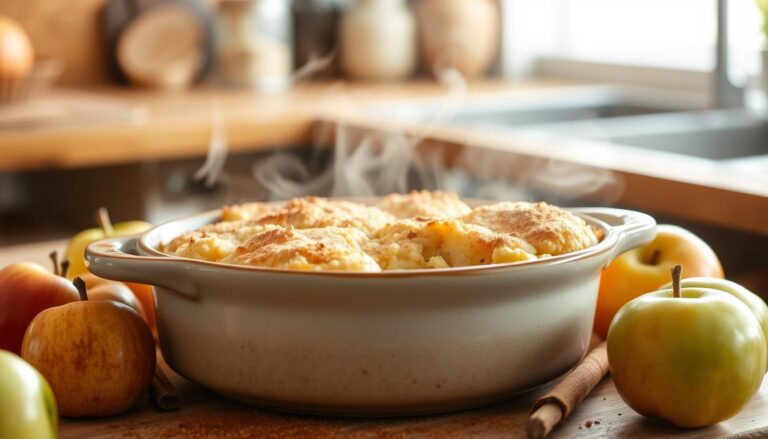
{"x":678,"y":34}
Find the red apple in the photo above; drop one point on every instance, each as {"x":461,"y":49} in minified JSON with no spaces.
{"x":647,"y":268}
{"x":25,"y":290}
{"x":105,"y":289}
{"x":98,"y":356}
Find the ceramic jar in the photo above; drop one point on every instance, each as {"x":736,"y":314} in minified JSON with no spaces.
{"x":254,"y":42}
{"x":460,"y":34}
{"x":378,"y":40}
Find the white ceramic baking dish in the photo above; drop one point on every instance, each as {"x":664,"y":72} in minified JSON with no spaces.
{"x":392,"y":343}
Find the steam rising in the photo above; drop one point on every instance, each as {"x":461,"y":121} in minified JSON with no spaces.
{"x":381,"y":162}
{"x":211,"y":170}
{"x":313,"y":65}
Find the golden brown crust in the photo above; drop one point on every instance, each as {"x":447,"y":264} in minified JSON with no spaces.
{"x":313,"y":233}
{"x":440,"y":243}
{"x":214,"y":241}
{"x":550,"y":229}
{"x":245,"y":211}
{"x":328,"y":248}
{"x":433,"y":204}
{"x":315,"y":212}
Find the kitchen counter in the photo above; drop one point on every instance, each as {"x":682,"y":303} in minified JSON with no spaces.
{"x":203,"y":414}
{"x":180,"y":125}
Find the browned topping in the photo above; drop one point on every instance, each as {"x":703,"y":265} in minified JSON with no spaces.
{"x":443,"y":242}
{"x":314,"y":212}
{"x":550,"y":229}
{"x":308,"y":249}
{"x":424,"y":204}
{"x":244,"y":211}
{"x":294,"y":235}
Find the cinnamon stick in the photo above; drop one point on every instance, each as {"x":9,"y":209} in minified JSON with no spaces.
{"x":552,"y":408}
{"x":162,"y":392}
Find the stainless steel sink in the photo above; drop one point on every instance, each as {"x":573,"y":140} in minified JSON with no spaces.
{"x":716,"y":135}
{"x":515,"y":117}
{"x":711,"y":135}
{"x":539,"y":107}
{"x":620,"y":116}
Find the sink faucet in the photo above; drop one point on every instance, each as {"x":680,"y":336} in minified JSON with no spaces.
{"x":726,"y":94}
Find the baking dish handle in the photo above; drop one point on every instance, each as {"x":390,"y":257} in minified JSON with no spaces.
{"x":634,"y":228}
{"x":119,"y":259}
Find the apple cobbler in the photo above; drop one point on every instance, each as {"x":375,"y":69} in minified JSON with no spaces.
{"x":403,"y":231}
{"x":443,"y":243}
{"x":550,"y":229}
{"x":424,"y":204}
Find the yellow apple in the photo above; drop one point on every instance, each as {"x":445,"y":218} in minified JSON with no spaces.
{"x":646,"y":268}
{"x":98,"y":356}
{"x":689,"y":356}
{"x":75,"y":253}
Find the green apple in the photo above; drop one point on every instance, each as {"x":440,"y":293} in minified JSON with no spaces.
{"x":27,"y":405}
{"x":690,"y":356}
{"x":75,"y":252}
{"x":752,"y":300}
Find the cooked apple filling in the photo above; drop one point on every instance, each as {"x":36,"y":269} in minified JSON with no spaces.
{"x":411,"y":231}
{"x":442,"y":243}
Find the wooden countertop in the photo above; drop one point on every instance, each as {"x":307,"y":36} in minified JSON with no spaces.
{"x":180,"y":125}
{"x":205,"y":415}
{"x":175,"y":125}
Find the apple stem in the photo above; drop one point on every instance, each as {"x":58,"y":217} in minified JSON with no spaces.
{"x":677,"y":272}
{"x":54,"y":255}
{"x":81,"y":289}
{"x":102,"y":218}
{"x":64,"y":267}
